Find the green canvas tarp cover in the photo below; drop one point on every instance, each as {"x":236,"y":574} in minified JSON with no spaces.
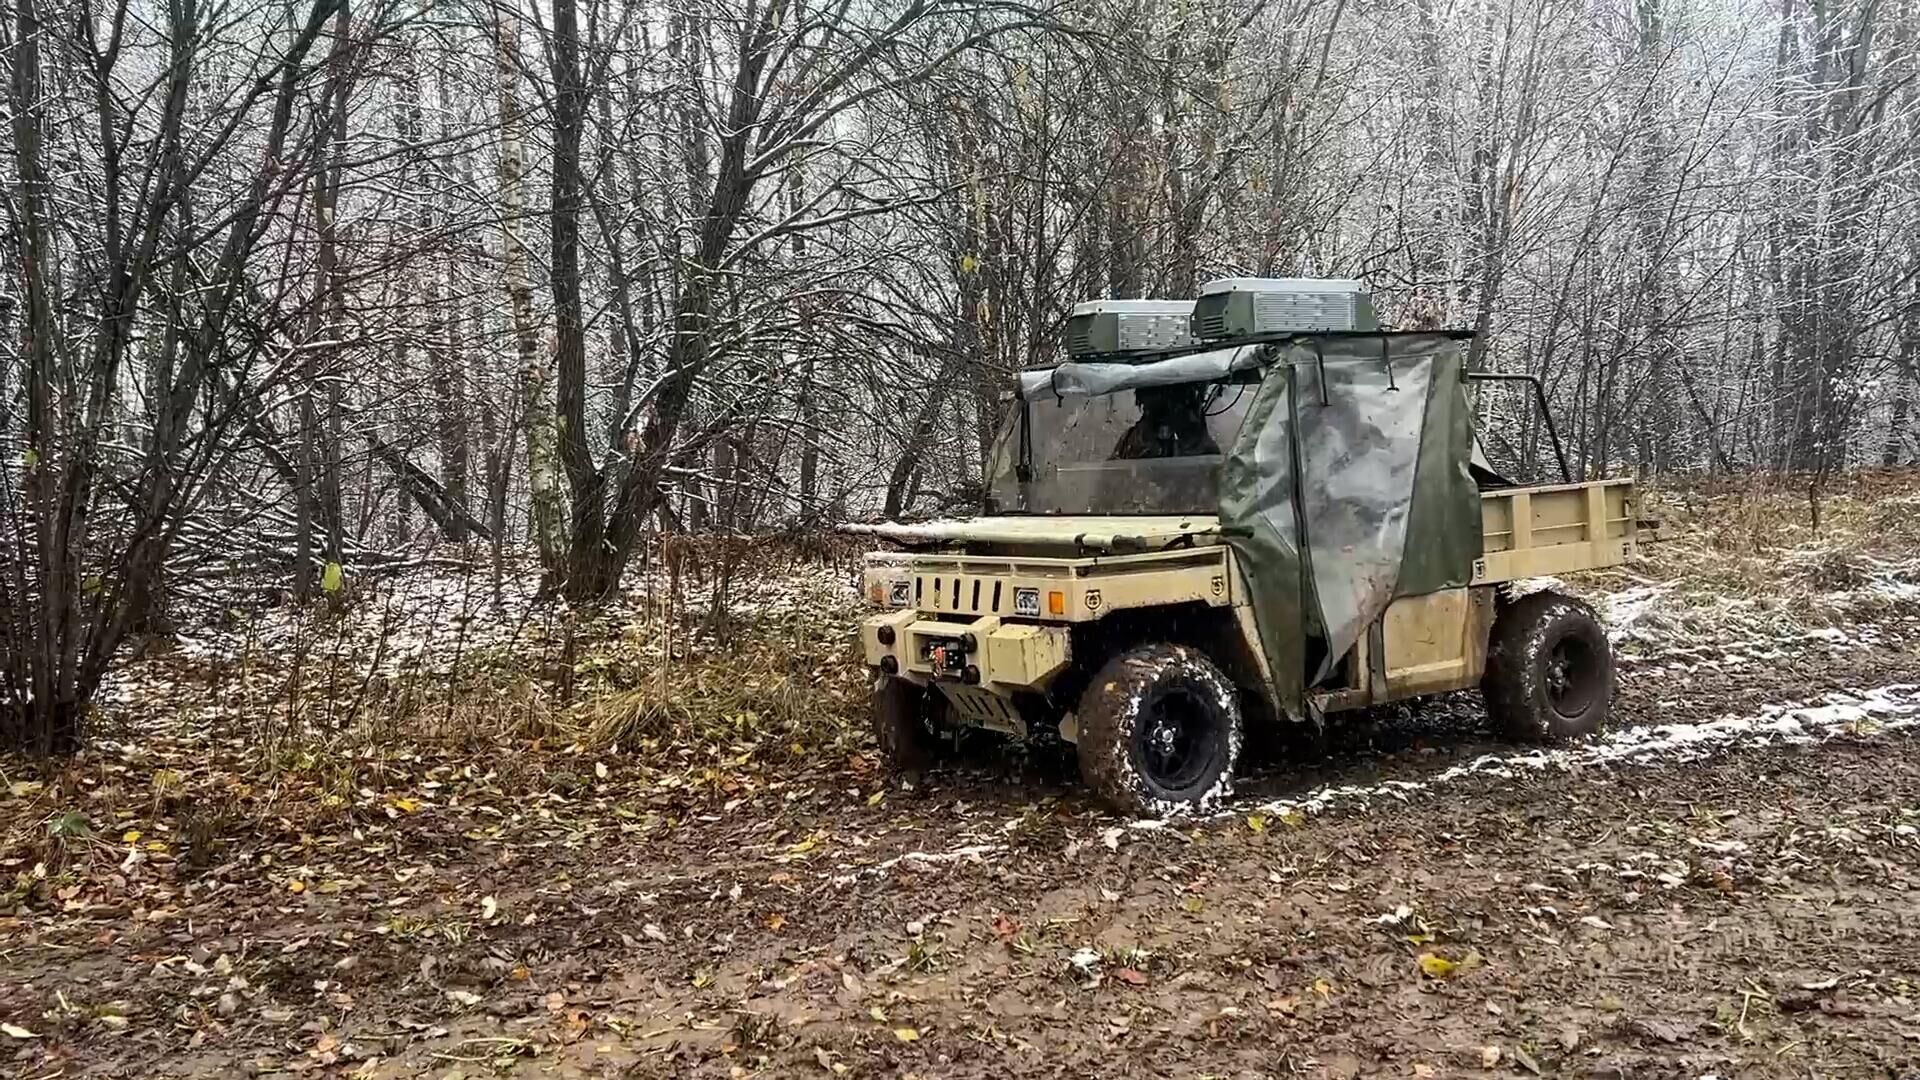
{"x":1348,"y":486}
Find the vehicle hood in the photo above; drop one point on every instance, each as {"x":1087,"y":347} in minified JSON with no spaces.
{"x":1117,"y":533}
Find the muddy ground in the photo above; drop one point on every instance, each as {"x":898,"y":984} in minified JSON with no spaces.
{"x":1408,"y":898}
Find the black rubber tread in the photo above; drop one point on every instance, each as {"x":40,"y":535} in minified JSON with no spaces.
{"x":1519,"y":653}
{"x":1114,"y":704}
{"x":902,"y":724}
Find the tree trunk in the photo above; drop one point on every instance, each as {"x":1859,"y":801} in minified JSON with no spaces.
{"x":919,"y":437}
{"x":536,"y":412}
{"x":330,"y":174}
{"x":583,"y":576}
{"x":446,"y":360}
{"x":317,"y":503}
{"x":809,"y":404}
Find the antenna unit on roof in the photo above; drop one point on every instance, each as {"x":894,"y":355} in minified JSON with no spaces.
{"x":1119,"y":328}
{"x":1243,"y":307}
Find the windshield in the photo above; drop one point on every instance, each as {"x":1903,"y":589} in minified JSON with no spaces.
{"x":1155,"y":450}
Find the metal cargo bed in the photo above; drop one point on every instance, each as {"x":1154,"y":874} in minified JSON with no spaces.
{"x":1556,"y":529}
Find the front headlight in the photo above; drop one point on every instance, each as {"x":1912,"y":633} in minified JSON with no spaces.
{"x":888,"y":590}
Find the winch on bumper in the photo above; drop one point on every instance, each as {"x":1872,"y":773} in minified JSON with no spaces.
{"x":977,"y":664}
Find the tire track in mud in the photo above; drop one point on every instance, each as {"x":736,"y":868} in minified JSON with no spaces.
{"x":1889,"y":708}
{"x":1576,"y":874}
{"x":1870,"y":651}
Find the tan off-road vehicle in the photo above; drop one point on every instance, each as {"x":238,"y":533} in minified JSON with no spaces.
{"x":1250,"y":508}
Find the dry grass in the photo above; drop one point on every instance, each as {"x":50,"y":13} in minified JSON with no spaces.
{"x":719,"y":652}
{"x":727,"y":653}
{"x":779,"y":687}
{"x":1748,"y":557}
{"x":741,"y":704}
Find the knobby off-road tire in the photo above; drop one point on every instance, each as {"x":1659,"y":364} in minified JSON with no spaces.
{"x":1549,"y":669}
{"x":904,"y":716}
{"x":1160,"y":731}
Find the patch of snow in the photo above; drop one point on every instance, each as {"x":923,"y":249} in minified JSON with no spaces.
{"x":424,"y":619}
{"x":1395,"y":917}
{"x":1888,"y":708}
{"x":1520,"y":587}
{"x":1743,"y":653}
{"x":967,"y":853}
{"x":1899,"y":582}
{"x":1622,"y":612}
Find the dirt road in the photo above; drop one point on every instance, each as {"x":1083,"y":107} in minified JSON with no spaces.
{"x":1736,"y":895}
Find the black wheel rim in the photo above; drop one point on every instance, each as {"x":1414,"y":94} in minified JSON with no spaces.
{"x":1572,"y":675}
{"x":1177,"y":740}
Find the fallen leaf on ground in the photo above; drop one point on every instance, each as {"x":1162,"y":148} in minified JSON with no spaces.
{"x":1666,"y":1031}
{"x":907,"y":1034}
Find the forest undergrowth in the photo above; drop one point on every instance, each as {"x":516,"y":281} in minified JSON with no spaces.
{"x":728,"y":656}
{"x":417,"y":765}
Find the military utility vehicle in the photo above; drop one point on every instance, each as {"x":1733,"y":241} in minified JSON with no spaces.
{"x":1255,"y":507}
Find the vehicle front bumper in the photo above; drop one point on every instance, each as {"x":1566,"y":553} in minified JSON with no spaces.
{"x":984,"y":651}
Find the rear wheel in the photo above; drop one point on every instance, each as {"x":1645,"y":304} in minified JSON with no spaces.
{"x":1549,"y":669}
{"x":905,"y":721}
{"x":1160,"y":731}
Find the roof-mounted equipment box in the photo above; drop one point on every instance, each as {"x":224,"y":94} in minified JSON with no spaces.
{"x":1112,"y":328}
{"x":1245,"y":307}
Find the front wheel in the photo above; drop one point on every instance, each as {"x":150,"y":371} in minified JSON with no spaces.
{"x":1160,"y":731}
{"x":1549,"y":669}
{"x":905,"y":718}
